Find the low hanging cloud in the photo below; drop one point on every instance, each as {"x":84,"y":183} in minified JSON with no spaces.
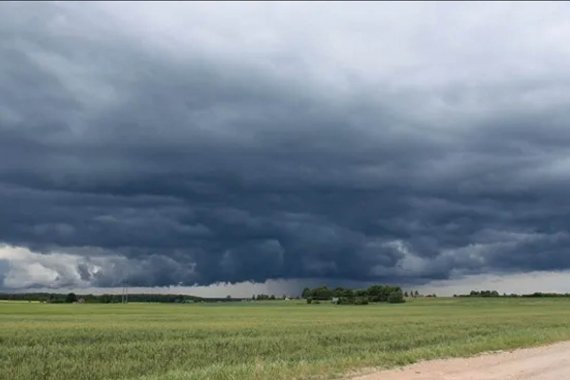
{"x":165,"y":144}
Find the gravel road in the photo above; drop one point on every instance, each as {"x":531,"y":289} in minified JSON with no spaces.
{"x":541,"y":363}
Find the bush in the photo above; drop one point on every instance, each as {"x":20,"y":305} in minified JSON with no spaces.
{"x":361,"y":301}
{"x":396,"y":297}
{"x":352,"y":301}
{"x":346,"y":300}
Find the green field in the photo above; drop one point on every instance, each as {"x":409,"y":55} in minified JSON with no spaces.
{"x":273,"y":340}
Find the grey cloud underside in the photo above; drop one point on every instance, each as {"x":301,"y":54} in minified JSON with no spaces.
{"x":170,"y":168}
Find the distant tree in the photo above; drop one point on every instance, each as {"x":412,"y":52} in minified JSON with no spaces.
{"x":484,"y":293}
{"x":361,"y":301}
{"x":396,"y":297}
{"x":377,"y":293}
{"x":71,"y":298}
{"x":380,"y":293}
{"x":361,"y":293}
{"x":416,"y":294}
{"x":406,"y":294}
{"x":306,"y":293}
{"x":338,"y":292}
{"x":323,"y":293}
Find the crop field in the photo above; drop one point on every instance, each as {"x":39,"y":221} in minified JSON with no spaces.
{"x":260,"y":340}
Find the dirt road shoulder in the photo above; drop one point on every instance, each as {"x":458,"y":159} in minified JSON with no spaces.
{"x":540,"y":363}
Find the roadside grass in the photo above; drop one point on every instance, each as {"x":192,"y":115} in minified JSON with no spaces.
{"x":261,"y":340}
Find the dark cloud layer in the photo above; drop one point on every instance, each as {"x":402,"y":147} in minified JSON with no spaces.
{"x":180,"y":144}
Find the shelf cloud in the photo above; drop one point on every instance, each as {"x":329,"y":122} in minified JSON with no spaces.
{"x":178,"y":144}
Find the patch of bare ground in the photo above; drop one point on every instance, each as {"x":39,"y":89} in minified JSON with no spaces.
{"x":540,"y":363}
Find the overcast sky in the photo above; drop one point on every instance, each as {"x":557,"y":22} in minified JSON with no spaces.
{"x":180,"y":144}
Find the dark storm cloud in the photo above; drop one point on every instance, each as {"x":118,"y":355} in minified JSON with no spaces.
{"x":172,"y":144}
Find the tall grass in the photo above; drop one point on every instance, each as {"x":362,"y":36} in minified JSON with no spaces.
{"x":274,"y":340}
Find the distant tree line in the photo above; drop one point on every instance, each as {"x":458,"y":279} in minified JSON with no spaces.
{"x":481,"y":293}
{"x":263,"y":297}
{"x":544,"y":295}
{"x":108,"y":298}
{"x":376,"y":293}
{"x":267,"y":297}
{"x":343,"y":296}
{"x":494,"y":293}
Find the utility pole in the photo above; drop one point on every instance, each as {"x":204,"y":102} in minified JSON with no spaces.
{"x":125,"y":295}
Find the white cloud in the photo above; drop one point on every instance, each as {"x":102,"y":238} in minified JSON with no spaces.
{"x":59,"y":272}
{"x":27,"y":269}
{"x":520,"y":283}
